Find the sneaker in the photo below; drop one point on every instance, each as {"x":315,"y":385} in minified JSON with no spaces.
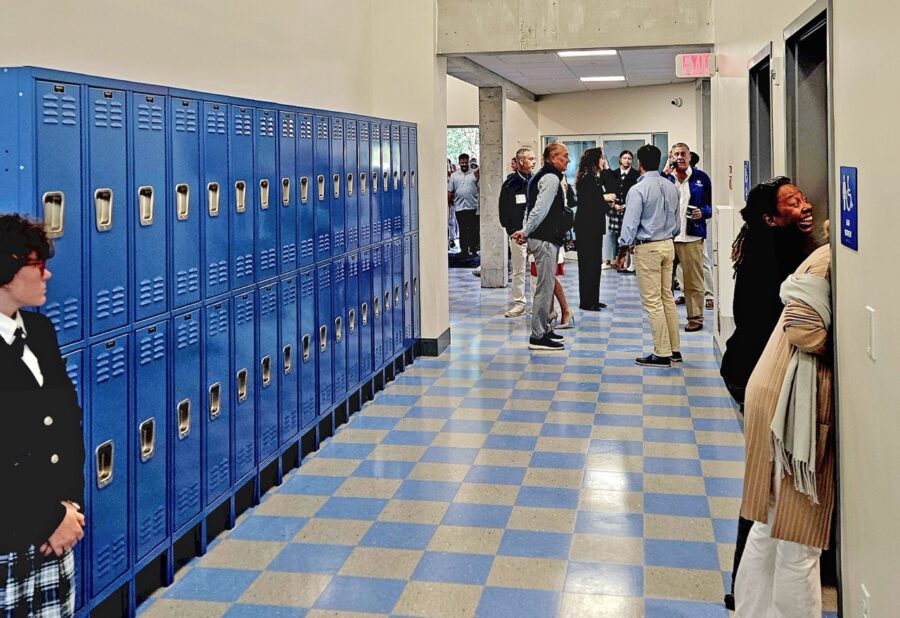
{"x":676,"y":357}
{"x":516,"y":311}
{"x":652,"y":360}
{"x":680,"y":300}
{"x":544,"y":343}
{"x":553,"y":336}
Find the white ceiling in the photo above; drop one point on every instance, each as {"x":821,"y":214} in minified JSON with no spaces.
{"x":547,"y":73}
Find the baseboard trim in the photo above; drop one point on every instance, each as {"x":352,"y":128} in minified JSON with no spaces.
{"x":434,"y":347}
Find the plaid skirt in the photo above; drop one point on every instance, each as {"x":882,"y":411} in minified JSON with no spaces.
{"x":34,"y":586}
{"x":614,"y":223}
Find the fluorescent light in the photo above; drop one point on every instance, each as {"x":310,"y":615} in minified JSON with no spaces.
{"x":604,"y":78}
{"x":586,"y":52}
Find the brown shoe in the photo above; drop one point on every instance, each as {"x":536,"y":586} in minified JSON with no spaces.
{"x":693,"y":326}
{"x":680,"y":300}
{"x":709,"y":303}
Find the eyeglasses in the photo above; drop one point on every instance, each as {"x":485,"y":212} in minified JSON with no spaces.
{"x":41,"y":264}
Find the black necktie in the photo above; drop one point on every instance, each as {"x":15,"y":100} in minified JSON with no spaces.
{"x":18,"y":343}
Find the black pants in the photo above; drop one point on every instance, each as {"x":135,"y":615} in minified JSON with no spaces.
{"x":469,"y":232}
{"x":590,"y":267}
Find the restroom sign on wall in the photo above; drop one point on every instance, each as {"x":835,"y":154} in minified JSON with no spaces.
{"x":849,"y":209}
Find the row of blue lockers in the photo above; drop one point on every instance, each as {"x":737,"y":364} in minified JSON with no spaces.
{"x":181,"y":412}
{"x":158,"y":198}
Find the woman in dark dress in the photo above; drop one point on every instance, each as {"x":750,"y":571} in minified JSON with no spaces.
{"x":590,"y":225}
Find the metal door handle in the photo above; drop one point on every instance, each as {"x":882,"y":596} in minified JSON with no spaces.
{"x":287,"y":363}
{"x":404,"y":179}
{"x":285,"y":192}
{"x":304,"y":189}
{"x":336,"y":181}
{"x":242,"y":385}
{"x":415,"y":286}
{"x":396,"y":179}
{"x":240,"y":196}
{"x":266,"y":363}
{"x":147,"y":432}
{"x":385,"y":175}
{"x":320,"y":180}
{"x":212,"y":198}
{"x":323,"y":338}
{"x":365,"y":313}
{"x":396,"y":295}
{"x":182,"y":201}
{"x":305,"y":345}
{"x":362,"y":183}
{"x":264,"y":194}
{"x":215,"y":401}
{"x":387,"y":300}
{"x":412,"y":178}
{"x":338,"y":329}
{"x":184,"y":418}
{"x":376,"y":308}
{"x":145,"y":205}
{"x":406,"y":290}
{"x":351,"y":320}
{"x":54,"y":208}
{"x":349,"y":184}
{"x":103,"y":202}
{"x":374,"y":182}
{"x":104,"y":463}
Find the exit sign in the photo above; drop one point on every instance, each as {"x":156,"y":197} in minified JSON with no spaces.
{"x":695,"y":65}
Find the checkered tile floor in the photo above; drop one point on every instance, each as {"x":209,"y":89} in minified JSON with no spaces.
{"x":495,"y":482}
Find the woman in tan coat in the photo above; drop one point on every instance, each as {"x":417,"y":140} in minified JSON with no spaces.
{"x":779,"y":574}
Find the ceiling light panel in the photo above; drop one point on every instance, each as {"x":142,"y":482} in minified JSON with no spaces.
{"x":604,"y":78}
{"x":586,"y":52}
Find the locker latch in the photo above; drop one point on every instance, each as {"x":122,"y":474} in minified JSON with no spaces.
{"x":103,"y":202}
{"x":362,"y":183}
{"x":264,"y":194}
{"x":338,"y":329}
{"x":412,"y":178}
{"x":385,"y":176}
{"x":147,"y":431}
{"x":286,"y":359}
{"x":266,"y":370}
{"x":184,"y":418}
{"x":240,"y":196}
{"x":415,"y":286}
{"x":375,"y":308}
{"x":351,"y":320}
{"x":212,"y":198}
{"x":304,"y":189}
{"x":323,"y":338}
{"x":145,"y":205}
{"x":387,"y":300}
{"x":54,"y":209}
{"x":350,"y":184}
{"x":104,"y":460}
{"x":336,"y":182}
{"x":285,"y":192}
{"x":406,"y":290}
{"x":396,"y":180}
{"x":182,"y":201}
{"x":215,"y":401}
{"x":396,"y":295}
{"x":374,"y":182}
{"x":365,"y":313}
{"x":242,"y":385}
{"x":305,"y":348}
{"x":320,"y":180}
{"x":405,"y":180}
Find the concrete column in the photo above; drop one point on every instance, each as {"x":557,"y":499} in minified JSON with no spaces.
{"x":492,"y":163}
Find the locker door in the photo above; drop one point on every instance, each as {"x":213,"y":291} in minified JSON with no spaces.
{"x":308,"y":357}
{"x":339,"y":327}
{"x":290,"y":373}
{"x":149,"y":437}
{"x":352,"y":324}
{"x":185,"y":189}
{"x":416,"y":299}
{"x":58,"y":166}
{"x":243,"y":387}
{"x":185,"y":410}
{"x":322,"y":171}
{"x":216,"y":402}
{"x":323,"y":337}
{"x":268,"y":356}
{"x":387,"y":185}
{"x":413,"y":179}
{"x":377,"y":328}
{"x":396,"y":184}
{"x":215,"y":199}
{"x":375,"y":174}
{"x":267,"y":196}
{"x":336,"y":186}
{"x":306,"y":189}
{"x":364,"y":186}
{"x":351,"y":188}
{"x":108,"y":227}
{"x":241,"y":178}
{"x":287,"y":178}
{"x":107,"y":484}
{"x":405,"y":177}
{"x":407,"y":297}
{"x":365,"y":320}
{"x":75,"y":369}
{"x":387,"y":297}
{"x":397,"y":273}
{"x":150,"y":214}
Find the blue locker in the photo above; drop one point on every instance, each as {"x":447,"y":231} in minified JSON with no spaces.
{"x":322,"y":170}
{"x":366,"y":316}
{"x":185,"y":178}
{"x":352,"y":325}
{"x":289,"y":403}
{"x":243,"y":217}
{"x":74,"y":360}
{"x":407,"y":296}
{"x":323,"y":337}
{"x":378,"y":343}
{"x":148,"y":190}
{"x":397,"y":274}
{"x":405,"y":178}
{"x":215,"y":199}
{"x":413,"y":180}
{"x":387,"y":186}
{"x":108,"y":228}
{"x":186,"y":404}
{"x":396,"y":184}
{"x":266,"y":214}
{"x":387,"y":305}
{"x":375,"y":173}
{"x":307,"y":323}
{"x":149,"y":437}
{"x":217,"y":402}
{"x":287,"y":169}
{"x":306,"y":227}
{"x":364,"y":208}
{"x":338,"y":205}
{"x":416,"y":300}
{"x":339,"y":327}
{"x":351,"y":197}
{"x":58,"y":138}
{"x":267,"y":385}
{"x":107,"y":484}
{"x":244,"y":384}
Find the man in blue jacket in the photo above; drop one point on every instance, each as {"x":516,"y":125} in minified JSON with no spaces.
{"x":695,"y":207}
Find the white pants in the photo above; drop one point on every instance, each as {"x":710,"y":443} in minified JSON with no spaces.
{"x":707,"y":267}
{"x":518,"y":259}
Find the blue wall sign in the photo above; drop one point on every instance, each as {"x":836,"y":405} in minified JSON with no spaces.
{"x":849,"y":208}
{"x":746,"y":180}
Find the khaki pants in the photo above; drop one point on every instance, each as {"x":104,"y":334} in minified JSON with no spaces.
{"x":653,"y":267}
{"x":690,"y":256}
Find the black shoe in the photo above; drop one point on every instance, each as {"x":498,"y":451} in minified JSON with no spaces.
{"x":553,"y":336}
{"x":597,"y":307}
{"x":729,"y":601}
{"x":652,"y":360}
{"x":676,"y":357}
{"x":544,"y":343}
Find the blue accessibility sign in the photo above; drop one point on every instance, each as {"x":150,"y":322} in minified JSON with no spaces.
{"x":849,"y":208}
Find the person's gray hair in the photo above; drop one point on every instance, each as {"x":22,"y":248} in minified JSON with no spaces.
{"x":521,"y":152}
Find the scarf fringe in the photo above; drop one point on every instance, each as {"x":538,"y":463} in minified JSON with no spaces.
{"x":804,"y":477}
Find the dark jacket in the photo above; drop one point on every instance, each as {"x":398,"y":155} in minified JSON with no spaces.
{"x":701,"y":196}
{"x":590,"y":219}
{"x":558,"y":221}
{"x":38,"y":425}
{"x":616,"y":183}
{"x":513,"y":199}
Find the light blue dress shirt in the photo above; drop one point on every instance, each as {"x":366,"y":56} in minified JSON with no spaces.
{"x":651,"y":211}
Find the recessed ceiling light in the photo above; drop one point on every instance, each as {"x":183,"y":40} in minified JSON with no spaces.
{"x":586,"y":52}
{"x":605,"y":78}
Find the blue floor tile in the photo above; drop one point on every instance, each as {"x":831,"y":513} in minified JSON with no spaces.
{"x":269,"y":611}
{"x":616,"y":447}
{"x":573,"y":406}
{"x":658,"y":410}
{"x":672,"y":465}
{"x":482,"y":403}
{"x":676,"y":504}
{"x":680,"y":436}
{"x":725,"y":530}
{"x":477,"y":515}
{"x":606,"y":579}
{"x":670,"y":608}
{"x":521,"y":416}
{"x":721,"y":453}
{"x":384,"y":469}
{"x":373,"y":422}
{"x":633,"y":398}
{"x":310,"y":558}
{"x":454,"y":568}
{"x":511,"y":443}
{"x":446,"y":454}
{"x":398,"y":535}
{"x":352,"y":508}
{"x":516,"y":603}
{"x":345,"y":451}
{"x":578,"y":387}
{"x":547,"y":459}
{"x":426,"y":490}
{"x":311,"y":485}
{"x":545,"y":376}
{"x":724,"y":487}
{"x":664,"y":389}
{"x":615,"y":378}
{"x":704,"y":401}
{"x":409,"y":438}
{"x":613,"y":481}
{"x":532,"y":393}
{"x":361,"y":594}
{"x":464,"y":426}
{"x":447,"y":391}
{"x":610,"y":524}
{"x":390,"y":399}
{"x":717,"y":424}
{"x":566,"y":431}
{"x":681,"y":554}
{"x":548,"y":497}
{"x":204,"y":584}
{"x":268,"y":528}
{"x":503,"y":475}
{"x":433,"y":412}
{"x":618,"y":420}
{"x":528,"y":544}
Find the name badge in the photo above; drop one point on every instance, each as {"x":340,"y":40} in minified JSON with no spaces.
{"x":520,"y":198}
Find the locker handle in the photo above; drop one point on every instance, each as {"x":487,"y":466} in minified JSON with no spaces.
{"x":385,"y":175}
{"x":215,"y":401}
{"x":396,"y":179}
{"x":320,"y":180}
{"x":365,"y":313}
{"x":351,"y":320}
{"x":396,"y":295}
{"x":338,"y":329}
{"x":266,"y":370}
{"x":304,"y":189}
{"x":405,"y":180}
{"x":285,"y":192}
{"x":103,"y":202}
{"x":286,"y":358}
{"x":336,"y":182}
{"x":387,"y":300}
{"x":147,"y":431}
{"x":264,"y":194}
{"x":242,"y":385}
{"x":412,"y":178}
{"x":240,"y":196}
{"x":375,"y":308}
{"x":406,"y":290}
{"x":212,"y":198}
{"x":145,"y":205}
{"x":350,"y":184}
{"x":362,"y":183}
{"x":182,"y":201}
{"x":54,"y":208}
{"x":323,"y":338}
{"x":415,"y":286}
{"x":374,"y":182}
{"x":305,"y":348}
{"x":104,"y":460}
{"x":184,"y":418}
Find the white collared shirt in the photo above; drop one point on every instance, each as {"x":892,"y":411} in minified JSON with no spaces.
{"x":684,"y":197}
{"x":8,"y":328}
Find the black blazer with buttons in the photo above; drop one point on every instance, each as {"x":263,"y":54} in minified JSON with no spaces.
{"x":41,"y":444}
